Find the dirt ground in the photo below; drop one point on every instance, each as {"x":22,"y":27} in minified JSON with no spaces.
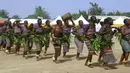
{"x":17,"y":64}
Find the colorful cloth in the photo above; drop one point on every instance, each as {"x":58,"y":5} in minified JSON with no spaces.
{"x":108,"y":55}
{"x":106,"y":44}
{"x":89,"y":34}
{"x":79,"y":39}
{"x":125,"y":44}
{"x":90,"y":47}
{"x":125,"y":41}
{"x":57,"y":48}
{"x":79,"y":45}
{"x":2,"y":40}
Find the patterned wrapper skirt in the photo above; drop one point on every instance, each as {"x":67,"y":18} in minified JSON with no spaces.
{"x":38,"y":46}
{"x":101,"y":51}
{"x":89,"y":45}
{"x":66,"y":47}
{"x":108,"y":55}
{"x":8,"y":42}
{"x":125,"y":45}
{"x":26,"y":44}
{"x":47,"y":42}
{"x":2,"y":40}
{"x":79,"y":45}
{"x":57,"y":48}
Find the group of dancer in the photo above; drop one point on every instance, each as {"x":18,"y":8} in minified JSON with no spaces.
{"x":61,"y":36}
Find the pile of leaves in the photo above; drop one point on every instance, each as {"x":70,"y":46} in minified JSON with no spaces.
{"x":101,"y":42}
{"x":66,"y":39}
{"x":81,"y":38}
{"x":96,"y":43}
{"x":118,"y":36}
{"x":46,"y":39}
{"x":39,"y":38}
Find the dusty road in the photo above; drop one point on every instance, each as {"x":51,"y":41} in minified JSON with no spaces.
{"x":17,"y":64}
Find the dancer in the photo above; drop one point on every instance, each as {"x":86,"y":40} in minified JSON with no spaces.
{"x":107,"y":34}
{"x":89,"y":35}
{"x":79,"y":38}
{"x":67,"y":35}
{"x":39,"y":38}
{"x":26,"y":37}
{"x":18,"y":37}
{"x":125,"y":42}
{"x":57,"y":35}
{"x":47,"y":29}
{"x":9,"y":37}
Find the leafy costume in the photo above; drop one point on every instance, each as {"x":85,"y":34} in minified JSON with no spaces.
{"x":66,"y":38}
{"x":47,"y":31}
{"x":38,"y":38}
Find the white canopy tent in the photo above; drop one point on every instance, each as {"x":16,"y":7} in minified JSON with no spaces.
{"x":119,"y":21}
{"x":81,"y":18}
{"x":102,"y":20}
{"x":54,"y":21}
{"x":12,"y":20}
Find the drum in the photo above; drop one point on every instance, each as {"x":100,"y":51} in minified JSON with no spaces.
{"x":66,"y":16}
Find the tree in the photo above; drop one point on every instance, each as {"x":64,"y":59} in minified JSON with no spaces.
{"x":84,"y":14}
{"x":39,"y":12}
{"x":111,"y":13}
{"x":118,"y":13}
{"x":77,"y":15}
{"x":4,"y":14}
{"x":31,"y":16}
{"x":15,"y":17}
{"x":95,"y":9}
{"x":126,"y":14}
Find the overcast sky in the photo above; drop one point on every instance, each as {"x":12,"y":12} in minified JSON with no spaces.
{"x":59,"y":7}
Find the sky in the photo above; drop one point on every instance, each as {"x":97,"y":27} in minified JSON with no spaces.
{"x":23,"y":8}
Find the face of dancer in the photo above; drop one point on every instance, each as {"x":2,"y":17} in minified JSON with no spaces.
{"x":93,"y":19}
{"x":31,"y":26}
{"x":25,"y":23}
{"x":17,"y":24}
{"x":80,"y":23}
{"x":48,"y":23}
{"x":127,"y":22}
{"x":59,"y":23}
{"x":110,"y":21}
{"x":39,"y":22}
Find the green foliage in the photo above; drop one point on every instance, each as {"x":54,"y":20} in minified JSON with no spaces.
{"x":96,"y":43}
{"x":4,"y":14}
{"x":15,"y":17}
{"x":84,"y":14}
{"x":81,"y":38}
{"x":75,"y":16}
{"x":95,"y":9}
{"x":118,"y":36}
{"x":39,"y":11}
